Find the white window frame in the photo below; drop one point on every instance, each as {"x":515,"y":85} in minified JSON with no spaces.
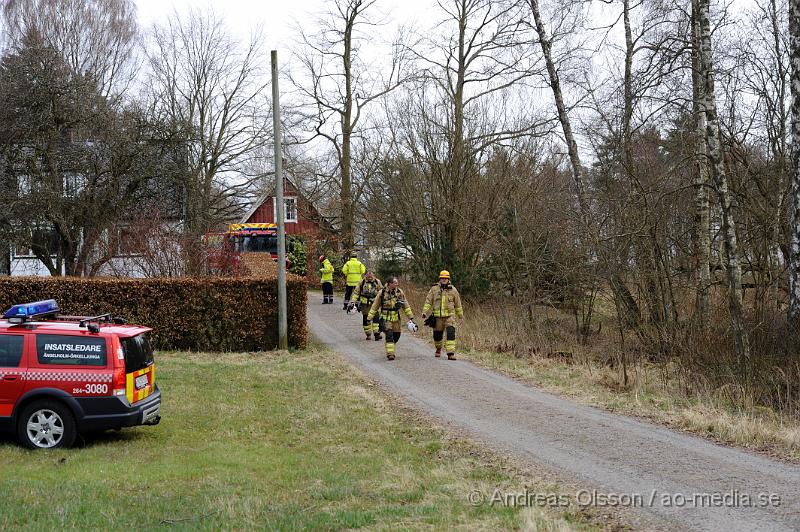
{"x":286,"y":218}
{"x":30,"y":255}
{"x":24,"y":186}
{"x":74,"y":184}
{"x":117,"y":243}
{"x":15,"y":252}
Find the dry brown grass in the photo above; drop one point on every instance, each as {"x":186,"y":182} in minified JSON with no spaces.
{"x":539,"y":344}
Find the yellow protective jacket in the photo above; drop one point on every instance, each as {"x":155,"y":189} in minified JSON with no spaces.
{"x":327,"y":271}
{"x":388,"y":305}
{"x":353,"y":269}
{"x":443,"y":302}
{"x":368,"y":291}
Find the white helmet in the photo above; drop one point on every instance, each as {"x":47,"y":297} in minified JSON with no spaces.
{"x":412,"y":327}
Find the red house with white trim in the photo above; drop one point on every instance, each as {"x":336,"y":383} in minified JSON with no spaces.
{"x":301,"y":216}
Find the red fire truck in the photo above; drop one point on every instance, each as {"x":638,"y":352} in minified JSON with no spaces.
{"x":224,"y":250}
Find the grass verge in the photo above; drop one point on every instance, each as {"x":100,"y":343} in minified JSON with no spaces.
{"x":281,"y":441}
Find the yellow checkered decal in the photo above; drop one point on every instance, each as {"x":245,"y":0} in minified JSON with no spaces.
{"x":252,"y":226}
{"x":134,"y":395}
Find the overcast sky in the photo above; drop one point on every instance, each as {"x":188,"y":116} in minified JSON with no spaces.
{"x":276,"y":17}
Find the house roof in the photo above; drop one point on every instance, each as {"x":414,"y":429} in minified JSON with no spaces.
{"x":295,"y":191}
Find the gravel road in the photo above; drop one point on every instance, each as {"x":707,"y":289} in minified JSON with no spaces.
{"x":648,"y":467}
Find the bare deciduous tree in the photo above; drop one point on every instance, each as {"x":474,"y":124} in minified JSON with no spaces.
{"x":468,"y":100}
{"x":73,"y":165}
{"x":337,"y":84}
{"x":207,"y":88}
{"x":702,"y":183}
{"x":97,"y":38}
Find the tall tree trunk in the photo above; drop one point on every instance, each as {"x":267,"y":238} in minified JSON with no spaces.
{"x":702,"y":209}
{"x":778,"y":154}
{"x":732,"y":267}
{"x":5,"y":258}
{"x":794,"y":227}
{"x":626,"y":304}
{"x":645,"y":251}
{"x":563,"y":116}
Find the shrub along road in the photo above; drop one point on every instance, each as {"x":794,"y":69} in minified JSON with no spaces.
{"x":664,"y":479}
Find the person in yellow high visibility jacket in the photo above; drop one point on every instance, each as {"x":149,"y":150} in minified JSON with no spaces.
{"x":366,"y":292}
{"x":442,"y":306}
{"x":388,"y":304}
{"x":353,"y":270}
{"x":326,"y":278}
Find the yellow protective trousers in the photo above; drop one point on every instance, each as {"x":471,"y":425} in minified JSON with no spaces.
{"x":445,"y":326}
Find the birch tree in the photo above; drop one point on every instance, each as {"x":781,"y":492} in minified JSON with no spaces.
{"x":627,"y":307}
{"x":546,"y":43}
{"x":702,"y":208}
{"x":794,"y":222}
{"x":733,"y":269}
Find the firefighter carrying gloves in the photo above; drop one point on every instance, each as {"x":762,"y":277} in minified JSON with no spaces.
{"x":353,"y":270}
{"x":326,"y":273}
{"x":442,"y":306}
{"x":366,"y":293}
{"x":387,"y":306}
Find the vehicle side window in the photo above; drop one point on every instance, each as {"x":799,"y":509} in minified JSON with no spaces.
{"x":10,"y":350}
{"x":71,"y":350}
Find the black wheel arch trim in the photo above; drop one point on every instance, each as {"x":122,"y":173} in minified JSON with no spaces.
{"x":43,"y":394}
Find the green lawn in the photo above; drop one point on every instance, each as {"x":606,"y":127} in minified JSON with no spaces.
{"x":279,"y":441}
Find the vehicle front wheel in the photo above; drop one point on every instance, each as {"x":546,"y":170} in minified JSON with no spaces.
{"x":46,"y":425}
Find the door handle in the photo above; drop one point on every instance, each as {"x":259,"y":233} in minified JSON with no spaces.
{"x":10,"y":377}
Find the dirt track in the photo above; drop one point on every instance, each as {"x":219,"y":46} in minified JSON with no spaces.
{"x":581,"y":445}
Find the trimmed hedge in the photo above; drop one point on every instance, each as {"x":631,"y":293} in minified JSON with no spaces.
{"x":208,"y":313}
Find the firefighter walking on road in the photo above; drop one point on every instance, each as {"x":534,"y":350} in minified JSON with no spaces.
{"x":353,"y":270}
{"x":388,"y":304}
{"x":326,"y":279}
{"x":442,"y":306}
{"x":366,"y":292}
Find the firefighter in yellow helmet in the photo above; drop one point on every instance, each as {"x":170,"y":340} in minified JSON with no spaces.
{"x":442,"y":306}
{"x":388,"y":304}
{"x":366,"y":292}
{"x":353,"y":270}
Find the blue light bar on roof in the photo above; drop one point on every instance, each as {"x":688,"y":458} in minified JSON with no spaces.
{"x":29,"y":310}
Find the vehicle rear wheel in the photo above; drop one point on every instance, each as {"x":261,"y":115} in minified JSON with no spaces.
{"x":46,"y":425}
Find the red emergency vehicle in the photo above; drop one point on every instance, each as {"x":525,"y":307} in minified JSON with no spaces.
{"x":224,"y":250}
{"x":65,"y":375}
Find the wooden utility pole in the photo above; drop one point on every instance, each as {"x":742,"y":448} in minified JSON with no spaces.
{"x":283,"y":340}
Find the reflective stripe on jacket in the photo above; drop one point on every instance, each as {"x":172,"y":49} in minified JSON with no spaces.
{"x":327,"y":271}
{"x":443,"y":302}
{"x":368,"y":291}
{"x":353,"y":269}
{"x":388,"y":304}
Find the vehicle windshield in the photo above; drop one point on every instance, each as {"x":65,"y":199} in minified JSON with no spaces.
{"x":138,"y":352}
{"x":260,"y":244}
